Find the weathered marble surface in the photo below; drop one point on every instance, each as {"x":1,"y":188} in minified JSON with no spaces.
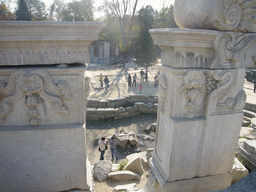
{"x":42,"y":96}
{"x":201,"y":102}
{"x":37,"y":43}
{"x":226,"y":15}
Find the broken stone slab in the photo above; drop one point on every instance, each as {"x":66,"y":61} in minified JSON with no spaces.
{"x":101,"y":170}
{"x":253,"y":121}
{"x":150,"y":127}
{"x":134,"y":166}
{"x":137,"y":150}
{"x":247,"y":151}
{"x":245,"y":131}
{"x":145,"y":137}
{"x":126,"y":188}
{"x":115,"y":167}
{"x":123,"y":176}
{"x":238,"y":171}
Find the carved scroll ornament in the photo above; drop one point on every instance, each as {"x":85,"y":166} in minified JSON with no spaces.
{"x":36,"y":86}
{"x":234,"y":50}
{"x":236,"y":15}
{"x":219,"y":86}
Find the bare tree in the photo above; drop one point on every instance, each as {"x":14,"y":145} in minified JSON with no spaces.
{"x":124,"y":11}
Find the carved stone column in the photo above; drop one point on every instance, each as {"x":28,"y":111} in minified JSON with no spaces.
{"x":42,"y":105}
{"x":201,"y":102}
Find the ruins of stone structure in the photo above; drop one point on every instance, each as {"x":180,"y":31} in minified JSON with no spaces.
{"x":201,"y":96}
{"x":42,"y":105}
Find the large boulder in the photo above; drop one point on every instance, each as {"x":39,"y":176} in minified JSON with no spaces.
{"x":101,"y":170}
{"x":123,"y":176}
{"x":134,"y":166}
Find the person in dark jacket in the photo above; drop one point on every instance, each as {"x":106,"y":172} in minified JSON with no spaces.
{"x":106,"y":81}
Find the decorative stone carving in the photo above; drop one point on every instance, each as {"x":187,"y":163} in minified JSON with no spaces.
{"x":232,"y":15}
{"x":219,"y":87}
{"x":36,"y":86}
{"x":194,"y":90}
{"x":162,"y":93}
{"x":234,"y":50}
{"x":38,"y":43}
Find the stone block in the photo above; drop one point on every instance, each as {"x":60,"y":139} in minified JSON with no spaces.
{"x":134,"y":165}
{"x":101,"y":170}
{"x":123,"y":176}
{"x":48,"y":158}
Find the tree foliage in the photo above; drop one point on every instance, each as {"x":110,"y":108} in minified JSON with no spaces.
{"x":5,"y":14}
{"x":165,"y":18}
{"x":146,"y":52}
{"x":37,"y":9}
{"x":124,"y":11}
{"x":22,"y":13}
{"x":77,"y":10}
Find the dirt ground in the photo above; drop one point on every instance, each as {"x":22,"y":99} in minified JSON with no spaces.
{"x":96,"y":129}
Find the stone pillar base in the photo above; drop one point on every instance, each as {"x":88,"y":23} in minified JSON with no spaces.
{"x":201,"y":184}
{"x":44,"y":158}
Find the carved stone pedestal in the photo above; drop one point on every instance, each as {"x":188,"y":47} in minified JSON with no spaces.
{"x":42,"y":106}
{"x":201,"y":102}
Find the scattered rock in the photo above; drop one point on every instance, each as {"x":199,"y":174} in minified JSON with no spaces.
{"x":246,"y":123}
{"x":145,"y":137}
{"x":126,"y":188}
{"x":149,"y":153}
{"x":101,"y":170}
{"x":123,"y":176}
{"x":134,"y":166}
{"x":141,"y":143}
{"x":137,"y":150}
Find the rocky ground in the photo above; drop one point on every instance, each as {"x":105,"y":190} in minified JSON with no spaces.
{"x":119,"y":88}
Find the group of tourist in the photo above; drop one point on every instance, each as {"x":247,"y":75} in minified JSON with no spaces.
{"x":103,"y":147}
{"x":106,"y":81}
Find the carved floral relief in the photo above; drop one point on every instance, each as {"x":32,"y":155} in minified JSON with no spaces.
{"x":36,"y":87}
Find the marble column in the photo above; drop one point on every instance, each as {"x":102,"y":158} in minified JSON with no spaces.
{"x":201,"y":97}
{"x":43,"y":91}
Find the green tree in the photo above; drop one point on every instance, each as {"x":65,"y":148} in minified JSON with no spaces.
{"x":145,"y":52}
{"x":37,"y":9}
{"x":5,"y":14}
{"x":56,"y":9}
{"x":165,"y":18}
{"x":124,"y":11}
{"x":22,"y":13}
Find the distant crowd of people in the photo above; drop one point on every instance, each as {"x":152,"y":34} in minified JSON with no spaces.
{"x":132,"y":80}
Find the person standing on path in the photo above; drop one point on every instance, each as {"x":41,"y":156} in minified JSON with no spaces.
{"x":106,"y":81}
{"x":113,"y":144}
{"x":140,"y":88}
{"x":141,"y":75}
{"x":102,"y":147}
{"x":134,"y":80}
{"x":254,"y":86}
{"x":101,"y":80}
{"x":129,"y":80}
